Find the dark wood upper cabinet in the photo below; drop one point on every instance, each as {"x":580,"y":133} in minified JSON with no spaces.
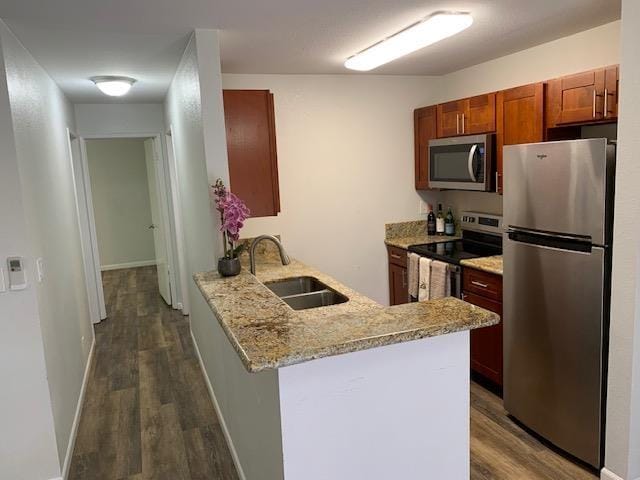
{"x":481,"y":115}
{"x":469,"y":116}
{"x":519,"y":118}
{"x":251,"y":149}
{"x":425,"y":126}
{"x":449,"y":117}
{"x":586,"y":97}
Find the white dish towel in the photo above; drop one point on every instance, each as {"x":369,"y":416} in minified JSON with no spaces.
{"x":440,"y":284}
{"x":413,"y":275}
{"x":424,"y":279}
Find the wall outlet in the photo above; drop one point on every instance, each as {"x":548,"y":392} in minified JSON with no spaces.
{"x":423,"y":207}
{"x":3,"y":285}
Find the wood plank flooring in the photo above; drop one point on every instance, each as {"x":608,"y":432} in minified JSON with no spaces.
{"x":147,"y":413}
{"x":501,"y":450}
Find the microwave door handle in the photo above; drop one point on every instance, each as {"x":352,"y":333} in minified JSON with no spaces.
{"x":472,"y":154}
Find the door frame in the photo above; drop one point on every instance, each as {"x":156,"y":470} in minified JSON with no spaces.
{"x":166,"y":193}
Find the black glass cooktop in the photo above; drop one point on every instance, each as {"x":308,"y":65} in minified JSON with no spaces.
{"x":472,"y":245}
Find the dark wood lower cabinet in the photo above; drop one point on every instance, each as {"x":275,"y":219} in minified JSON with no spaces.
{"x":398,"y":282}
{"x":486,"y":343}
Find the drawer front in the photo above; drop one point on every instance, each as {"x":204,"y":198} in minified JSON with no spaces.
{"x":482,"y":283}
{"x":397,"y":256}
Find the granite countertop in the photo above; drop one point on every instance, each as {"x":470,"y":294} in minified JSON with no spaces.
{"x":266,"y":333}
{"x":405,"y":234}
{"x":486,"y":264}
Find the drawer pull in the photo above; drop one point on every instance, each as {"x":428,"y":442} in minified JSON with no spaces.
{"x":396,"y":256}
{"x":479,"y":284}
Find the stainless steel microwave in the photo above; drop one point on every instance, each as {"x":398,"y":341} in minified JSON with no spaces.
{"x":462,"y":163}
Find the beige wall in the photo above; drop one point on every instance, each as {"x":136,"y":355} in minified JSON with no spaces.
{"x":345,"y":159}
{"x":41,"y":115}
{"x":121,"y":204}
{"x":623,"y":402}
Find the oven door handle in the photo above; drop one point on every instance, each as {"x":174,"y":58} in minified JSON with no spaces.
{"x":472,"y":154}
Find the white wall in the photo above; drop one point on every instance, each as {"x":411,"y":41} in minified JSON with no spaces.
{"x":118,"y":118}
{"x":121,"y":203}
{"x":623,"y":403}
{"x":27,"y":438}
{"x":193,"y":110}
{"x":41,"y":115}
{"x":345,"y":161}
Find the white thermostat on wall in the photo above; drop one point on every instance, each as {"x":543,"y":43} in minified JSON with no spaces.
{"x":17,"y":274}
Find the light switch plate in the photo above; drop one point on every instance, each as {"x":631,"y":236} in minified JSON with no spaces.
{"x":40,"y":269}
{"x":3,"y":285}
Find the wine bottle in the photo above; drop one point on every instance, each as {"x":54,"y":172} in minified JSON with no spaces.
{"x":431,"y":222}
{"x":439,"y":221}
{"x":449,"y":224}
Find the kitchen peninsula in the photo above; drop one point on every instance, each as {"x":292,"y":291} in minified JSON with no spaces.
{"x":354,"y":390}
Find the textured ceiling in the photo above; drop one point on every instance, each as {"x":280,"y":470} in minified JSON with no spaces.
{"x":77,"y":39}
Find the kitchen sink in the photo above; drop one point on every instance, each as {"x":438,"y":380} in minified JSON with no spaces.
{"x":301,"y":293}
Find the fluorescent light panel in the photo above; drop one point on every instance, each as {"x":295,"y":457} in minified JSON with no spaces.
{"x":426,"y":32}
{"x":114,"y":86}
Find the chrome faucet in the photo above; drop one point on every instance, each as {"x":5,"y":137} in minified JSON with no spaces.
{"x":252,"y":251}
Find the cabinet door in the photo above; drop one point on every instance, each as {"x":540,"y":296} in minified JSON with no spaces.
{"x":610,"y":109}
{"x":251,"y":149}
{"x":578,"y":98}
{"x":425,"y":126}
{"x":449,"y":118}
{"x":480,"y":115}
{"x":520,"y":119}
{"x":398,"y":286}
{"x":486,"y":343}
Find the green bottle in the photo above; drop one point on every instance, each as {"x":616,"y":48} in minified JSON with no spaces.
{"x":449,"y":224}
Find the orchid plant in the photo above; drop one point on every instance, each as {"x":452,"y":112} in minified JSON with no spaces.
{"x":233,"y":213}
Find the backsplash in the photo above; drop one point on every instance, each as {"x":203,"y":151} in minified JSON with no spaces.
{"x":460,"y":201}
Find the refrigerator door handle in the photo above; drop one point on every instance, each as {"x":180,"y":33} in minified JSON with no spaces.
{"x":472,"y":154}
{"x":576,"y":238}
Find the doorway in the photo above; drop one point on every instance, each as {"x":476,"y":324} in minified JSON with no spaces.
{"x":123,"y":205}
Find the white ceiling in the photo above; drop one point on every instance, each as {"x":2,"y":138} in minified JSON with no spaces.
{"x":77,"y":39}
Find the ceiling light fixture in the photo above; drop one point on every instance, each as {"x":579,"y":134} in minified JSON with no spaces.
{"x":113,"y":86}
{"x":419,"y":35}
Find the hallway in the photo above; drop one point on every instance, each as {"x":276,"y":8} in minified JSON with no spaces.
{"x":147,"y":413}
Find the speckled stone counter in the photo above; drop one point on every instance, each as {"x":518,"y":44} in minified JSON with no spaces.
{"x":486,"y":264}
{"x":266,"y":333}
{"x":406,"y":234}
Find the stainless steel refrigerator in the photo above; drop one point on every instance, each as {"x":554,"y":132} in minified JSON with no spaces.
{"x":558,"y":209}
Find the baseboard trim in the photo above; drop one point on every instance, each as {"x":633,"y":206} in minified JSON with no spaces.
{"x":216,"y":406}
{"x":609,"y":475}
{"x":76,"y":418}
{"x":118,"y":266}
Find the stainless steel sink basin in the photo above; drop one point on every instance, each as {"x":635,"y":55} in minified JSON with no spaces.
{"x":295,"y":286}
{"x":301,"y":293}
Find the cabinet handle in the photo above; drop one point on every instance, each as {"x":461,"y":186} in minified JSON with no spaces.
{"x":404,"y":278}
{"x":396,"y":256}
{"x":457,"y":123}
{"x":479,"y":284}
{"x":594,"y":104}
{"x":463,"y":123}
{"x":497,"y":184}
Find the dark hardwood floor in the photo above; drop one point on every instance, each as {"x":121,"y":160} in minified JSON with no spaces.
{"x":147,"y":413}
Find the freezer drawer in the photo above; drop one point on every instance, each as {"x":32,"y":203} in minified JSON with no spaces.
{"x":562,"y":187}
{"x":553,"y":330}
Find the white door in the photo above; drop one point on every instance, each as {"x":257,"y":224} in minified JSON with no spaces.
{"x":154,"y":168}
